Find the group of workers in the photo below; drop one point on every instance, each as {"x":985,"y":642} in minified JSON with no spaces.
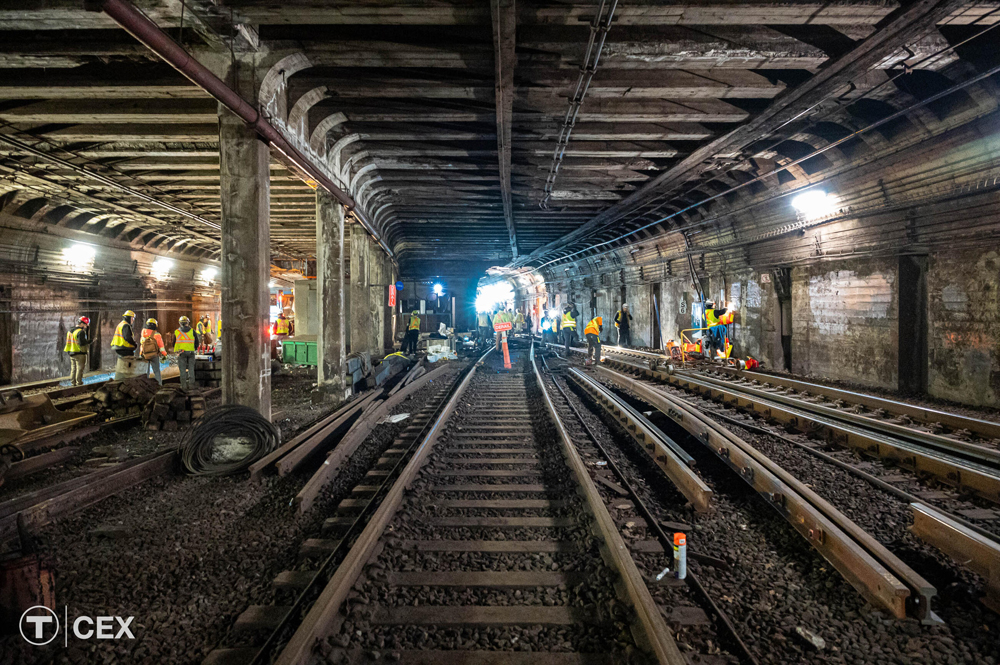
{"x":149,"y":347}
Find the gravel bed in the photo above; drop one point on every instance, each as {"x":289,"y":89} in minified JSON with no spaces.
{"x":186,"y":555}
{"x":777,"y":583}
{"x":410,"y":523}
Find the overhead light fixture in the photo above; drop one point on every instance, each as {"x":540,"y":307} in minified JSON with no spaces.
{"x":815,"y":204}
{"x":161,"y":268}
{"x":80,"y":256}
{"x":209,"y":273}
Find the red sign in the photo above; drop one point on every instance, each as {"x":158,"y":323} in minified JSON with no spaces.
{"x":392,"y":295}
{"x":505,"y":325}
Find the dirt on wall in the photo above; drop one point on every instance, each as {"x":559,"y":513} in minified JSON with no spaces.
{"x":963,"y":321}
{"x":844,"y":321}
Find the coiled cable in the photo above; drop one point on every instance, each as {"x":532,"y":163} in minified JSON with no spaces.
{"x":227,"y":440}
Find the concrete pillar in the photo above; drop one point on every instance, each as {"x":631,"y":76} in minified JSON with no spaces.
{"x":389,"y":313}
{"x":305,"y":305}
{"x":330,"y":306}
{"x":378,"y":294}
{"x":362,"y":333}
{"x":246,"y":259}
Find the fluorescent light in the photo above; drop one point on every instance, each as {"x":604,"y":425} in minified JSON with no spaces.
{"x":209,"y":273}
{"x":80,"y":256}
{"x":161,"y":268}
{"x":815,"y":204}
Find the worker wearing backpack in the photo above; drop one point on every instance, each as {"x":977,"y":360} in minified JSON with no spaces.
{"x":151,"y":349}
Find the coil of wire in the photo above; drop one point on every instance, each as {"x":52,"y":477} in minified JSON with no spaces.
{"x":227,"y":440}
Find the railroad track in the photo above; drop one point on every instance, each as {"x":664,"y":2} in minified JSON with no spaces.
{"x":482,"y":540}
{"x":969,"y":463}
{"x":875,"y":572}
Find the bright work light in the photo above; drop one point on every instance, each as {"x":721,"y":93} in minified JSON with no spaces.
{"x":438,"y":290}
{"x":79,"y":256}
{"x":815,"y":204}
{"x":161,"y":268}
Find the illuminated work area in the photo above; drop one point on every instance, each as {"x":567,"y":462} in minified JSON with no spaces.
{"x":533,"y":332}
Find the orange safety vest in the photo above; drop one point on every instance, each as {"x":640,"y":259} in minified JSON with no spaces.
{"x":183,"y":341}
{"x":594,"y":327}
{"x":119,"y":339}
{"x":146,"y":332}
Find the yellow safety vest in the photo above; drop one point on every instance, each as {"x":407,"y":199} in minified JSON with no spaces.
{"x":414,"y":323}
{"x":183,"y":341}
{"x":568,"y":321}
{"x":281,"y":326}
{"x":593,"y":328}
{"x":119,"y":339}
{"x":519,"y":318}
{"x":218,"y":328}
{"x":200,"y":328}
{"x":73,"y":342}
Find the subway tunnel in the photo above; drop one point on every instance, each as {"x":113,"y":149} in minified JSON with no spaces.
{"x":519,"y":331}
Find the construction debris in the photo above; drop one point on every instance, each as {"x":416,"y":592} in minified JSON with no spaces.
{"x":119,"y":399}
{"x":173,"y":409}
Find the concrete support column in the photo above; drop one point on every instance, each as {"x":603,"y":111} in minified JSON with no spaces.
{"x":378,"y":294}
{"x":389,"y":318}
{"x":246,"y":259}
{"x":362,"y":333}
{"x":330,"y":307}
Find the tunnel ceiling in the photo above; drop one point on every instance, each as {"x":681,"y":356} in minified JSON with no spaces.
{"x":413,"y":95}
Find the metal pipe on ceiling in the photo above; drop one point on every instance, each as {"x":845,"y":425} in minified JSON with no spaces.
{"x":146,"y":31}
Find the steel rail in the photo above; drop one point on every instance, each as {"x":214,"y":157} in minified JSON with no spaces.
{"x":903,"y":495}
{"x":977,"y":478}
{"x":926,"y":415}
{"x":654,"y":634}
{"x":866,"y":564}
{"x":660,"y":447}
{"x":976,"y":452}
{"x":318,"y":620}
{"x":666,"y":542}
{"x":985,"y":428}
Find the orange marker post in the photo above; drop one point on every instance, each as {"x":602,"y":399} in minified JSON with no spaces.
{"x":502,"y":328}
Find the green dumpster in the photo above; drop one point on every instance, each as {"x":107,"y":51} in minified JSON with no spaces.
{"x":299,"y":352}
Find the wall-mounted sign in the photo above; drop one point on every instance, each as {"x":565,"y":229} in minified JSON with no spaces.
{"x":392,"y":295}
{"x":399,"y":286}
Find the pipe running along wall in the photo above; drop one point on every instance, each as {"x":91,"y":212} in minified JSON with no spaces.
{"x":143,"y":29}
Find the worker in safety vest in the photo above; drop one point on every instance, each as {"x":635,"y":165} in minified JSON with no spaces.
{"x":623,"y":322}
{"x":716,"y":320}
{"x":502,"y":316}
{"x":483,"y":323}
{"x":184,"y":347}
{"x":568,"y":327}
{"x":593,"y":334}
{"x":281,"y":327}
{"x":203,"y":329}
{"x":412,"y":333}
{"x":77,"y":345}
{"x":519,"y":321}
{"x":123,"y":342}
{"x":153,"y":349}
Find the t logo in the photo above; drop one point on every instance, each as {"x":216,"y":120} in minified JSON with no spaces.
{"x":39,"y":627}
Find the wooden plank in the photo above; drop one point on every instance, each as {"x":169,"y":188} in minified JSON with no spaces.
{"x":489,"y":578}
{"x":478,"y":615}
{"x":472,"y":487}
{"x":501,"y":504}
{"x":39,"y":462}
{"x":503,"y":522}
{"x":459,"y":657}
{"x":491,"y":545}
